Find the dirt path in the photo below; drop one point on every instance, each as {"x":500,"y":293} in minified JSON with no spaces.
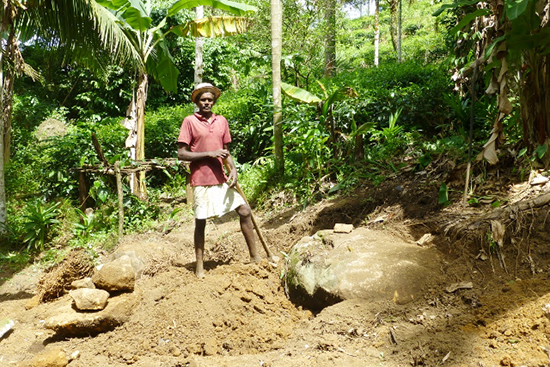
{"x":239,"y":314}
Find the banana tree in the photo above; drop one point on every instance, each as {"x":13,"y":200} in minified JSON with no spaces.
{"x":155,"y":59}
{"x":326,"y":104}
{"x":515,"y":49}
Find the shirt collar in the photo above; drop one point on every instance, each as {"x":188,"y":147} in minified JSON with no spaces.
{"x":202,"y":118}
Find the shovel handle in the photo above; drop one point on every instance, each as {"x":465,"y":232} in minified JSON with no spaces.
{"x":256,"y":227}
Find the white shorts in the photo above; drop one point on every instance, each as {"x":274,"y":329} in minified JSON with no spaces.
{"x":215,"y":201}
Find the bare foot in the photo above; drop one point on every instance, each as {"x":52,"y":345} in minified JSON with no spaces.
{"x":199,"y":270}
{"x":199,"y":273}
{"x":255,"y":260}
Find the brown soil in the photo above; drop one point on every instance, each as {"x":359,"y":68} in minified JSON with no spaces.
{"x":239,"y":314}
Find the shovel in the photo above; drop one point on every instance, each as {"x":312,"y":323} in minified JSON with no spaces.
{"x":270,"y":257}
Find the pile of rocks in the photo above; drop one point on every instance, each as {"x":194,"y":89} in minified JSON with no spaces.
{"x":100,"y":303}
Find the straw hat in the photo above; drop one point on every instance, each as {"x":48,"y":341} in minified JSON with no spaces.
{"x":205,"y":87}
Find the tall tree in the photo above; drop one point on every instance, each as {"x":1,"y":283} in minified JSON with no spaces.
{"x":276,"y":50}
{"x":199,"y":44}
{"x":330,"y":38}
{"x":155,"y":59}
{"x":376,"y":31}
{"x":399,"y":33}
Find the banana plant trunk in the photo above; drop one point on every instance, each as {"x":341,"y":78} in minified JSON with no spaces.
{"x":199,"y":45}
{"x":140,"y":189}
{"x":535,"y":100}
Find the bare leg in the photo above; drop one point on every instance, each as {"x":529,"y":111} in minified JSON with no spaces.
{"x":200,"y":225}
{"x":247,"y":227}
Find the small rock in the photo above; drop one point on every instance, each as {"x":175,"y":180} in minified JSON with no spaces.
{"x":328,"y":342}
{"x":83,"y":283}
{"x":5,"y":326}
{"x":507,"y":362}
{"x":174,"y":351}
{"x":90,"y":299}
{"x":50,"y":358}
{"x":211,"y":347}
{"x":539,"y":180}
{"x":33,"y":302}
{"x":456,"y":286}
{"x":74,"y":355}
{"x":343,"y":228}
{"x":425,"y":239}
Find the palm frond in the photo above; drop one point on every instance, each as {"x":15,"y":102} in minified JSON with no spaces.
{"x":87,"y":30}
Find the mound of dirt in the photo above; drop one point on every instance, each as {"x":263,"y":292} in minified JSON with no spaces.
{"x":239,"y":314}
{"x":237,"y":309}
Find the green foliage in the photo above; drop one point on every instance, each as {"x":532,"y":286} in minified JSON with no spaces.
{"x":421,"y":39}
{"x":138,"y":214}
{"x":443,"y":196}
{"x":162,"y":128}
{"x":15,"y":259}
{"x":85,"y":225}
{"x":39,"y":221}
{"x":250,"y":120}
{"x":416,"y":89}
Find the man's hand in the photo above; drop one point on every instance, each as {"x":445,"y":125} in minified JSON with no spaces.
{"x":232,"y":178}
{"x":220,"y":153}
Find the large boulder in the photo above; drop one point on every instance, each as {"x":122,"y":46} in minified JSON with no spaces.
{"x":68,"y":321}
{"x":374,"y":265}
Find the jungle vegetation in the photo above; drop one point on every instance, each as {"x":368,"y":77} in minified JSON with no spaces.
{"x":462,"y":79}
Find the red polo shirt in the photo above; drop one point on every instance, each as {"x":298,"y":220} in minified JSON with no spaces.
{"x":202,"y":136}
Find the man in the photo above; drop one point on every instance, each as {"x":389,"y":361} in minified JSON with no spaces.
{"x":203,"y":140}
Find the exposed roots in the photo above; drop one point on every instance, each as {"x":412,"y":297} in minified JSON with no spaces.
{"x":77,"y":265}
{"x":492,"y":233}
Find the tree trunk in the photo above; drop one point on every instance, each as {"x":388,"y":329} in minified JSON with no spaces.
{"x":141,"y":98}
{"x":7,"y":24}
{"x":330,"y":38}
{"x":399,"y":32}
{"x":9,"y":79}
{"x":7,"y":93}
{"x":3,"y":212}
{"x":376,"y":31}
{"x":276,"y":50}
{"x":199,"y":42}
{"x":394,"y":4}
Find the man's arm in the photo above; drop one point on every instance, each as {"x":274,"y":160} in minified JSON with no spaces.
{"x":185,"y":154}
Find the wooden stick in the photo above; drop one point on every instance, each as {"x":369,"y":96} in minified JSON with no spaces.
{"x":262,"y":239}
{"x":120,"y":200}
{"x":256,"y":227}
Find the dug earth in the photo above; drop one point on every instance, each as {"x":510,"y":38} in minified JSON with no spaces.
{"x":340,"y":296}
